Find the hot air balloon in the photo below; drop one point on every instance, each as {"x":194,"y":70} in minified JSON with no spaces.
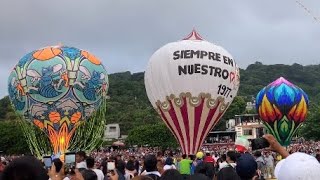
{"x":56,"y":88}
{"x":191,"y":83}
{"x":282,"y":107}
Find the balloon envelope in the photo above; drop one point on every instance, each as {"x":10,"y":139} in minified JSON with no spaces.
{"x":56,"y":88}
{"x":283,"y":107}
{"x":191,"y":83}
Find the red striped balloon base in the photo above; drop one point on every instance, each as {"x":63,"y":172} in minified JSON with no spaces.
{"x":190,"y":118}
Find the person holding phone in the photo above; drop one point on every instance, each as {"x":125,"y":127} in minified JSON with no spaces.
{"x":57,"y":168}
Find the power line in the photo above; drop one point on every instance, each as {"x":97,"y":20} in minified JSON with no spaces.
{"x":307,"y":10}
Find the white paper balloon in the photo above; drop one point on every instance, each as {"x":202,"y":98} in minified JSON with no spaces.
{"x":191,"y":83}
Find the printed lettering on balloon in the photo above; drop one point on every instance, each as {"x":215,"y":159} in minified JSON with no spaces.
{"x":203,"y":69}
{"x":199,"y":54}
{"x":224,"y":90}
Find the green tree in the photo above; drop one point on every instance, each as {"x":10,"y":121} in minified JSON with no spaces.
{"x":310,"y":129}
{"x":154,"y":135}
{"x":238,"y":106}
{"x":12,"y":140}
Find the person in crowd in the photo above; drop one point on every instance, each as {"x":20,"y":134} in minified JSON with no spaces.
{"x":269,"y":165}
{"x":223,"y":162}
{"x":209,"y":159}
{"x":120,"y":169}
{"x":80,"y":160}
{"x":25,"y":168}
{"x":136,"y":163}
{"x":261,"y":163}
{"x":169,"y":164}
{"x":228,"y":172}
{"x":130,"y":169}
{"x":171,"y":174}
{"x":206,"y":169}
{"x":185,"y":166}
{"x":89,"y":174}
{"x":150,"y":164}
{"x":194,"y":163}
{"x":246,"y":167}
{"x":90,"y":164}
{"x":58,"y":165}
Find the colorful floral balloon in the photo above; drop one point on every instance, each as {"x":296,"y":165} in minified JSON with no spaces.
{"x":191,"y":84}
{"x":56,"y":88}
{"x":283,"y":107}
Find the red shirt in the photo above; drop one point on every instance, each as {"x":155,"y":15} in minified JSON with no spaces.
{"x":209,"y":159}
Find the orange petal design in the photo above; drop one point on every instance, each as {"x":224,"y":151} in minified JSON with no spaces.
{"x":54,"y":117}
{"x":267,"y":112}
{"x":60,"y":140}
{"x":301,"y":110}
{"x":292,"y":111}
{"x":38,"y":123}
{"x":75,"y":117}
{"x":91,"y":57}
{"x":46,"y":53}
{"x":277,"y":111}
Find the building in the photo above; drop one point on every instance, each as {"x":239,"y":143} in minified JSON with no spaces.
{"x":112,"y":131}
{"x":249,"y":125}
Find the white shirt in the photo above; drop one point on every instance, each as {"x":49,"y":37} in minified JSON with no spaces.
{"x":81,"y":164}
{"x":153,"y":172}
{"x":99,"y":174}
{"x":166,"y":167}
{"x":222,"y":165}
{"x":66,"y":178}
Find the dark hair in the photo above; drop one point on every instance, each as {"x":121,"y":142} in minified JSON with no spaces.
{"x":318,"y":157}
{"x":169,"y":161}
{"x":184,"y":156}
{"x":159,"y":153}
{"x":120,"y":166}
{"x":81,"y":154}
{"x":232,"y":155}
{"x":90,"y":162}
{"x":150,"y":163}
{"x":130,"y":165}
{"x":257,"y":154}
{"x":207,"y":154}
{"x":198,"y":177}
{"x":171,"y":174}
{"x":58,"y":164}
{"x":192,"y":157}
{"x":224,"y":157}
{"x":142,"y":178}
{"x":205,"y":168}
{"x":25,"y":168}
{"x":89,"y":174}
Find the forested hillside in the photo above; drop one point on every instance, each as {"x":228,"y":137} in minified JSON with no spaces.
{"x":129,"y":106}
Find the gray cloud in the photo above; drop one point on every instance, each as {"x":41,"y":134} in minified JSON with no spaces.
{"x":124,"y":34}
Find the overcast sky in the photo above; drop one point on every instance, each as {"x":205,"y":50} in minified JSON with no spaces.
{"x":125,"y":33}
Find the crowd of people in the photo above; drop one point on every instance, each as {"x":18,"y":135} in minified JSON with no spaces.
{"x":221,"y":163}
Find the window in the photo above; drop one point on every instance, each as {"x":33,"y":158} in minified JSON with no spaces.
{"x":112,"y":129}
{"x":247,"y":132}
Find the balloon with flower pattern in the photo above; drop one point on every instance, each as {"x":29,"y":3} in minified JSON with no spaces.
{"x":56,"y":88}
{"x":283,"y":107}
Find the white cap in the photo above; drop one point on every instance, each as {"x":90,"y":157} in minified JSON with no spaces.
{"x":298,"y":166}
